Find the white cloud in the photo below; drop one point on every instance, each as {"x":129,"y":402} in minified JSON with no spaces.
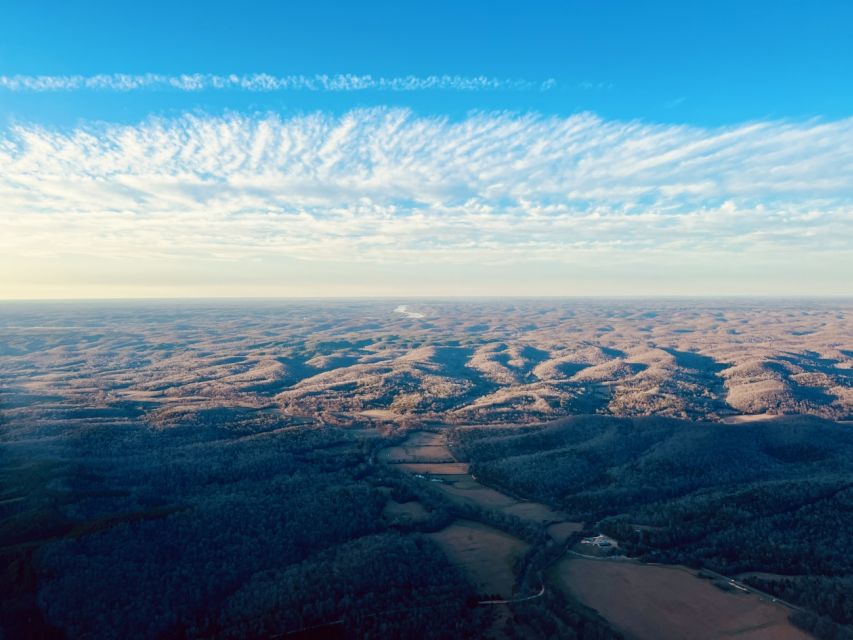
{"x":384,"y":185}
{"x":266,"y":83}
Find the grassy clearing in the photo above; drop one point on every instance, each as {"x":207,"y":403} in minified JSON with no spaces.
{"x":533,"y":511}
{"x":560,"y":531}
{"x":412,"y":511}
{"x":436,"y":468}
{"x":477,"y":495}
{"x":486,"y":555}
{"x":669,"y":603}
{"x":420,"y":446}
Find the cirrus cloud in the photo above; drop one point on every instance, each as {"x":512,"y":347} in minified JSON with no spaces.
{"x":265,"y":82}
{"x":383,"y":185}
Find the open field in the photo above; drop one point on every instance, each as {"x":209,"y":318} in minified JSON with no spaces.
{"x":486,"y":555}
{"x":758,"y":417}
{"x":477,"y":495}
{"x":560,"y":531}
{"x":411,"y":511}
{"x":419,"y":446}
{"x":436,"y":468}
{"x":534,"y":511}
{"x":649,"y":602}
{"x":457,"y":484}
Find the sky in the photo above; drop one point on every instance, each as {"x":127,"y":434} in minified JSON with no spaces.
{"x":425,"y":149}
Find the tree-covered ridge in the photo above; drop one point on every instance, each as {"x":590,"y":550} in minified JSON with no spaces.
{"x":373,"y":586}
{"x":774,"y":497}
{"x":273,"y":364}
{"x":146,"y":534}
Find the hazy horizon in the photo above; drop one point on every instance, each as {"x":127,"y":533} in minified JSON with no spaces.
{"x":458,"y":298}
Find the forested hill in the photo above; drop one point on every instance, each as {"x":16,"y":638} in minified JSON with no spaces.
{"x":773,"y":496}
{"x":597,"y":465}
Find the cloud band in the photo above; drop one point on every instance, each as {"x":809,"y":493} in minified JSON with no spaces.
{"x":262,"y":82}
{"x":385,"y":184}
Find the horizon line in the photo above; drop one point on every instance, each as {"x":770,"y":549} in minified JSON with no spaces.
{"x":450,"y":297}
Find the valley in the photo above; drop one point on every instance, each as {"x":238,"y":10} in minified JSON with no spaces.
{"x":641,"y":601}
{"x":443,"y":462}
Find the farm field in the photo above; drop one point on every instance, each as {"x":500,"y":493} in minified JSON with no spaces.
{"x":650,"y":602}
{"x":486,"y":555}
{"x":476,"y":494}
{"x":455,"y":481}
{"x":534,"y":511}
{"x":443,"y":469}
{"x":419,"y":447}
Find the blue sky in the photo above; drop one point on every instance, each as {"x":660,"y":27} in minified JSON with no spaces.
{"x":553,"y":148}
{"x":703,"y":63}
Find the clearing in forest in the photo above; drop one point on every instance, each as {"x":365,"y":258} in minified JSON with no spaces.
{"x":651,"y":602}
{"x":486,"y":555}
